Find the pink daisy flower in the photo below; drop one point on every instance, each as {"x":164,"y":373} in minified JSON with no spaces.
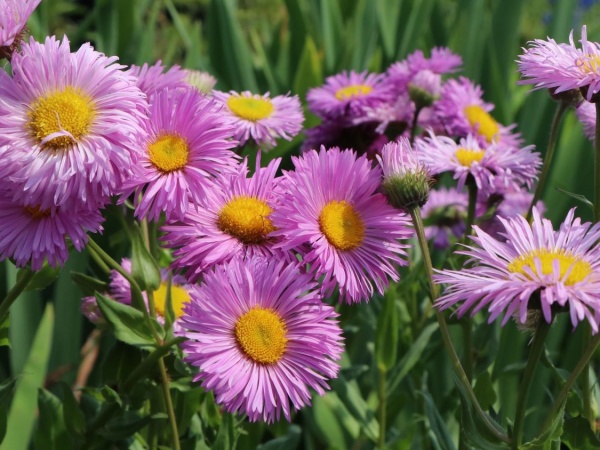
{"x":462,"y":111}
{"x":346,"y":95}
{"x":561,"y":266}
{"x":444,"y":215}
{"x":234,"y":219}
{"x":32,"y":235}
{"x":331,"y":207}
{"x":70,"y":120}
{"x":562,"y":67}
{"x":491,"y":167}
{"x":586,"y":113}
{"x":262,"y":338}
{"x":262,"y":118}
{"x":13,"y":18}
{"x":153,"y":79}
{"x":186,"y":143}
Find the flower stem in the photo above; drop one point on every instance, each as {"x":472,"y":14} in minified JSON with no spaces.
{"x":537,"y":347}
{"x":14,"y":293}
{"x":597,"y":165}
{"x":472,"y":188}
{"x":415,"y":214}
{"x":564,"y":392}
{"x":539,"y":190}
{"x":382,"y":407}
{"x":413,"y":130}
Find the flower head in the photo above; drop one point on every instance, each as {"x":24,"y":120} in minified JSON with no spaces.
{"x":153,"y":79}
{"x":70,"y":120}
{"x":562,"y":67}
{"x":234,"y":219}
{"x":346,"y":231}
{"x":260,"y":117}
{"x":586,"y":113}
{"x":262,"y":337}
{"x":13,"y":18}
{"x":506,"y":277}
{"x":204,"y":82}
{"x":345,"y":96}
{"x":186,"y":143}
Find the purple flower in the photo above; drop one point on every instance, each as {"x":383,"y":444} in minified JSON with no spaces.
{"x":261,"y":337}
{"x":444,"y":215}
{"x":153,"y":79}
{"x":586,"y":113}
{"x":561,"y":266}
{"x":331,"y":212}
{"x":13,"y":18}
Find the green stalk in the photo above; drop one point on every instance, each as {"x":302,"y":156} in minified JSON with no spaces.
{"x":382,"y":407}
{"x":537,"y":347}
{"x":564,"y":392}
{"x":539,"y":190}
{"x":597,"y":165}
{"x":415,"y":214}
{"x":472,"y":188}
{"x":413,"y":130}
{"x":586,"y":387}
{"x":14,"y":293}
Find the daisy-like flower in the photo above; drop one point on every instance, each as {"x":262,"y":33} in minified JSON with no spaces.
{"x":406,"y":181}
{"x":153,"y":79}
{"x":262,"y":338}
{"x":346,"y":95}
{"x":204,"y":82}
{"x":70,"y":119}
{"x":561,"y":266}
{"x":186,"y":142}
{"x":586,"y":113}
{"x":331,"y":207}
{"x":562,"y":67}
{"x":491,"y":167}
{"x":444,"y":215}
{"x":260,"y":117}
{"x":13,"y":18}
{"x":462,"y":111}
{"x":234,"y":219}
{"x":32,"y":235}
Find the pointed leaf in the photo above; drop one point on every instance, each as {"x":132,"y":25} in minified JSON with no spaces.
{"x":144,"y":269}
{"x":386,"y":340}
{"x":73,"y":416}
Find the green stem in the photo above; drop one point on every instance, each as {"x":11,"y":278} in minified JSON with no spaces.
{"x":537,"y":347}
{"x":382,"y":407}
{"x":586,"y":387}
{"x":539,"y":190}
{"x":467,"y":328}
{"x":413,"y":130}
{"x":597,"y":166}
{"x":100,"y":262}
{"x":14,"y":293}
{"x":146,"y":239}
{"x":564,"y":392}
{"x":415,"y":214}
{"x":472,"y":188}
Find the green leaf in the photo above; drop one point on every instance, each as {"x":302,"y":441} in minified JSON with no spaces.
{"x":332,"y":26}
{"x":73,"y":416}
{"x":128,"y":324}
{"x":412,"y":357}
{"x":88,"y":285}
{"x":309,"y":73}
{"x":7,"y":389}
{"x":577,"y":197}
{"x":42,"y":278}
{"x":126,"y":425}
{"x":227,"y":434}
{"x":4,"y":330}
{"x":121,"y":360}
{"x":51,"y":433}
{"x":484,"y":391}
{"x":577,"y":435}
{"x":386,"y":340}
{"x":288,"y":442}
{"x":144,"y":269}
{"x":23,"y":408}
{"x":439,"y":432}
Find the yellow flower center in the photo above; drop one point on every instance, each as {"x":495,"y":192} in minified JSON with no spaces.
{"x":246,"y":218}
{"x":480,"y":119}
{"x":354,"y":90}
{"x":169,"y":152}
{"x":179,"y":297}
{"x":342,"y":225}
{"x":591,"y":64}
{"x":466,"y":156}
{"x":578,"y":269}
{"x":249,"y":108}
{"x":36,"y":213}
{"x":260,"y":333}
{"x":70,"y":110}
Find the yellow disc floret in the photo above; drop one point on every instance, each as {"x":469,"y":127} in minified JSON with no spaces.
{"x":250,"y":108}
{"x":260,"y":333}
{"x":169,"y":152}
{"x":466,"y":156}
{"x":246,"y":218}
{"x":484,"y":123}
{"x":352,"y":91}
{"x":591,"y":64}
{"x":578,"y":269}
{"x":179,"y":297}
{"x":69,"y":111}
{"x":342,"y":225}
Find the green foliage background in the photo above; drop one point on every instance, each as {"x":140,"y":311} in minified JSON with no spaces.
{"x":292,"y":45}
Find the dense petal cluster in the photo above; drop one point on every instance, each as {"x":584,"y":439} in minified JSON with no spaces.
{"x":533,"y":267}
{"x":261,"y":337}
{"x":13,"y":18}
{"x":153,"y":79}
